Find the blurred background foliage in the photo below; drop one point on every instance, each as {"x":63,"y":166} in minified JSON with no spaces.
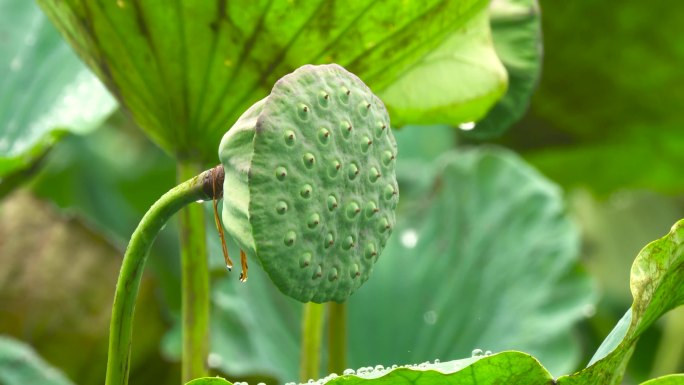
{"x":603,"y":124}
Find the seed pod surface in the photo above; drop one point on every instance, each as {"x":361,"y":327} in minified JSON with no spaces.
{"x":310,"y":186}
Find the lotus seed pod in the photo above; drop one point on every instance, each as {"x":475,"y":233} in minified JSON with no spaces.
{"x":310,"y":186}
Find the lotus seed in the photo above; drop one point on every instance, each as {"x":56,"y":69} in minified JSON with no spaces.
{"x":305,"y":260}
{"x":332,"y":203}
{"x":318,"y":273}
{"x":388,"y":192}
{"x":323,"y":136}
{"x":303,"y":111}
{"x":289,"y":137}
{"x":363,"y":108}
{"x":373,"y":174}
{"x":344,"y":95}
{"x":281,"y":207}
{"x":290,"y":238}
{"x":387,"y":158}
{"x":371,"y":209}
{"x":305,"y":192}
{"x":309,"y":160}
{"x":348,"y":243}
{"x":333,"y":274}
{"x":323,"y":99}
{"x":380,"y":129}
{"x":334,"y":168}
{"x":369,"y":251}
{"x":353,"y":171}
{"x":281,"y":173}
{"x":352,"y":210}
{"x":366,"y":143}
{"x":314,"y":220}
{"x":354,"y":272}
{"x":329,"y":240}
{"x":346,"y":129}
{"x":383,"y":225}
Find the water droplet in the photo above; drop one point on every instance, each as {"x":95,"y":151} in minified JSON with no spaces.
{"x":430,"y":317}
{"x":379,"y":367}
{"x":409,"y":238}
{"x":589,"y":310}
{"x":16,"y":64}
{"x":467,"y":126}
{"x":199,"y":201}
{"x":437,"y":361}
{"x":348,"y":372}
{"x":488,"y":353}
{"x":214,"y":360}
{"x":477,"y":353}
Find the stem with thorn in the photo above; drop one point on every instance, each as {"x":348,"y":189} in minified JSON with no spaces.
{"x":120,"y":332}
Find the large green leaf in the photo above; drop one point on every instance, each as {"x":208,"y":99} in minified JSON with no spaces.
{"x":187,"y":70}
{"x":516,"y":30}
{"x":606,"y":114}
{"x":20,"y":365}
{"x":487,"y":258}
{"x":673,"y":379}
{"x":44,"y":89}
{"x":657,"y":286}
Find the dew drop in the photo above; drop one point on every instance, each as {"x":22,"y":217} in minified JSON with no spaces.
{"x":477,"y":353}
{"x":409,"y":238}
{"x":430,"y":317}
{"x":348,"y":372}
{"x":488,"y":353}
{"x":468,"y":126}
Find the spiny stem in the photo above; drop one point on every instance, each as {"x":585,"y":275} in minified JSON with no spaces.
{"x":337,"y":337}
{"x":120,"y":332}
{"x":312,"y":328}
